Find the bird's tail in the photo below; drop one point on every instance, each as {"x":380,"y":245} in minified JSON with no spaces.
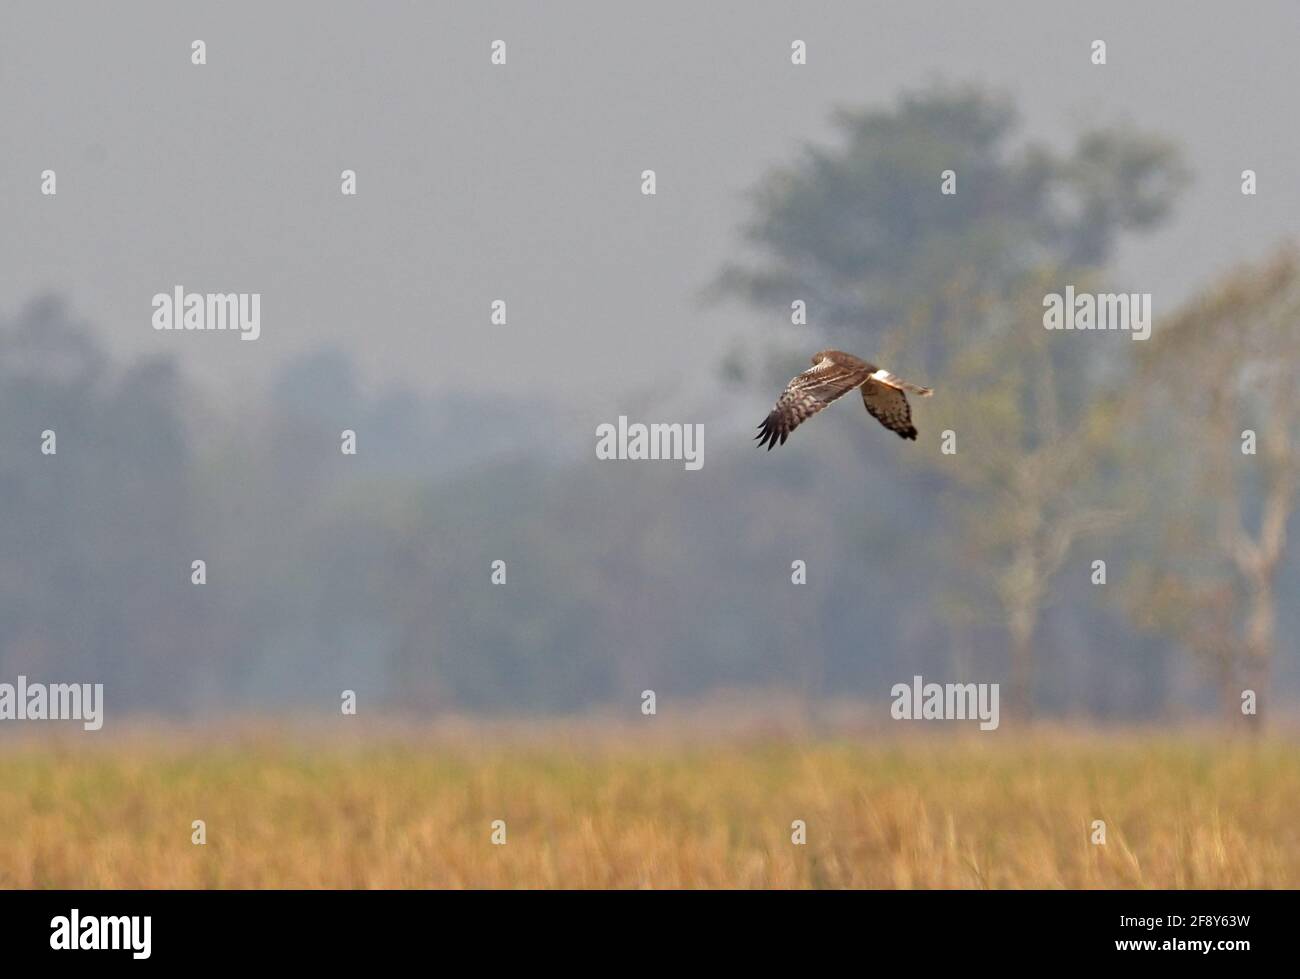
{"x":894,"y":381}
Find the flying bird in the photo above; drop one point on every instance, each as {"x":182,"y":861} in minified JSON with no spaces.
{"x":834,"y":374}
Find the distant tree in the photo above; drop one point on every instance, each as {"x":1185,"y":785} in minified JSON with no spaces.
{"x":1223,"y":378}
{"x":88,"y":536}
{"x":863,"y":233}
{"x":1028,"y":478}
{"x":948,"y":288}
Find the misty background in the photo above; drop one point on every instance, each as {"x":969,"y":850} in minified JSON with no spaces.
{"x":476,"y":442}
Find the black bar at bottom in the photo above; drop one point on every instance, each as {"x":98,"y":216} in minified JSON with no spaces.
{"x":329,"y":928}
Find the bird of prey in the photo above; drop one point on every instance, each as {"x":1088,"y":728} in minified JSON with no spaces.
{"x":832,"y":375}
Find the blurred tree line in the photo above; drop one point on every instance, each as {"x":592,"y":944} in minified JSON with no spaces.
{"x":329,"y":572}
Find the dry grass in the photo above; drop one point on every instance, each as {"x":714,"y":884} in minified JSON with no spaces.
{"x":583,"y":810}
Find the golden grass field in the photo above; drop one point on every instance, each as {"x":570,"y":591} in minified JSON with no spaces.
{"x":590,"y":807}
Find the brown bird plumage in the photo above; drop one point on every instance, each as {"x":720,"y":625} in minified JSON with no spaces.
{"x":834,"y":374}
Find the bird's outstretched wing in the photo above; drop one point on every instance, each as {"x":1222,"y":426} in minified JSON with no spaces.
{"x":883,"y":394}
{"x":808,"y":394}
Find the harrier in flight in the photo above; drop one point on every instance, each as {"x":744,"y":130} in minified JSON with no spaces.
{"x":832,"y":375}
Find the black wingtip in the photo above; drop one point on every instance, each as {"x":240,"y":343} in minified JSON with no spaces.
{"x":908,"y":434}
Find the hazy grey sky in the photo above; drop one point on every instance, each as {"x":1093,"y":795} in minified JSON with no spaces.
{"x":522,"y":182}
